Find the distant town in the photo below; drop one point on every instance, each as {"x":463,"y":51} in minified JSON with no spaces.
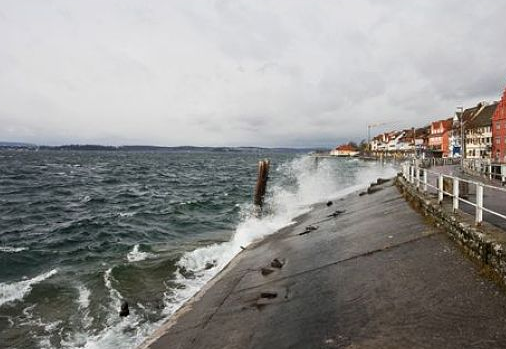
{"x":482,"y":127}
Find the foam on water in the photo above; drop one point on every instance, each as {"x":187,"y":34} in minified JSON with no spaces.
{"x":121,"y":332}
{"x":84,"y":303}
{"x":114,"y":294}
{"x":9,"y":249}
{"x":84,"y":297}
{"x":283,"y":203}
{"x":13,"y":291}
{"x":135,"y":255}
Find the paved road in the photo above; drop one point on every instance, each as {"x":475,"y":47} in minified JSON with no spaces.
{"x":492,"y":199}
{"x":376,"y":276}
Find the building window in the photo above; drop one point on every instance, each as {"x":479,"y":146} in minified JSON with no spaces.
{"x":497,"y":140}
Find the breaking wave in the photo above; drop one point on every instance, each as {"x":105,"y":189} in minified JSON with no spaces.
{"x":10,"y":292}
{"x":136,"y":256}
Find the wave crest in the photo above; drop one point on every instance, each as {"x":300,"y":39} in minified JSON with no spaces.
{"x":10,"y":292}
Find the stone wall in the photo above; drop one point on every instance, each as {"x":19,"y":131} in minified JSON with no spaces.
{"x":485,"y":243}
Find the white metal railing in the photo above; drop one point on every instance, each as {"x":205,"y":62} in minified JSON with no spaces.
{"x":420,"y":178}
{"x":428,"y":162}
{"x":486,"y":168}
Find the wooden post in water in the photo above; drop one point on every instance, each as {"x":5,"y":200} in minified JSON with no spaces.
{"x":263,"y":175}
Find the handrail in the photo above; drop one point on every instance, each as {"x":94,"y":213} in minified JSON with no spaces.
{"x":470,"y":181}
{"x":419,"y":177}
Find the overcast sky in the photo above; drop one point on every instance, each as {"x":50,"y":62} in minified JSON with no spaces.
{"x":236,"y":72}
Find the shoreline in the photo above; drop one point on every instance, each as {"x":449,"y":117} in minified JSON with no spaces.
{"x":356,"y":273}
{"x":187,"y":305}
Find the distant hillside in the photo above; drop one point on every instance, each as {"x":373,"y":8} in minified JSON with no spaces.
{"x":17,"y":145}
{"x":94,"y":147}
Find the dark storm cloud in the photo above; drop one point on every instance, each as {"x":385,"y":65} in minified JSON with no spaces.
{"x":225,"y":72}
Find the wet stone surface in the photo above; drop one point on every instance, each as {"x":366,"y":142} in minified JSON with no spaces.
{"x":376,"y":276}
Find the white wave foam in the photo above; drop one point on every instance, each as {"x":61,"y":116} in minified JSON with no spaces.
{"x":121,"y":332}
{"x":84,"y":297}
{"x":83,"y":304}
{"x":9,"y":249}
{"x":10,"y":292}
{"x":135,"y":255}
{"x":114,"y":294}
{"x":86,"y":199}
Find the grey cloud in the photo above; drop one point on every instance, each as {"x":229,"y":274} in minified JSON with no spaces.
{"x":288,"y":72}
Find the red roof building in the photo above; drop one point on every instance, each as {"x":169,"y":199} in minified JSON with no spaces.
{"x":499,"y":131}
{"x":345,"y":150}
{"x":439,"y":137}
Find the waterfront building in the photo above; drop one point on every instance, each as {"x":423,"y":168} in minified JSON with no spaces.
{"x":409,"y":141}
{"x":454,"y":143}
{"x":478,"y":132}
{"x":394,"y":139}
{"x":405,"y":144}
{"x":439,"y":137}
{"x":378,"y":143}
{"x":460,"y":123}
{"x":422,"y":140}
{"x":499,"y":131}
{"x":345,"y":150}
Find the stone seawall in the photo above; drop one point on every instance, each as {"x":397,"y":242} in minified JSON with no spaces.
{"x":485,"y":243}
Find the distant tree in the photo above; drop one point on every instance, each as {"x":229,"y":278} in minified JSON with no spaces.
{"x":363,"y":146}
{"x":353,"y":144}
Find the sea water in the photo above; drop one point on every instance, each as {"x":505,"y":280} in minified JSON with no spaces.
{"x":82,"y":231}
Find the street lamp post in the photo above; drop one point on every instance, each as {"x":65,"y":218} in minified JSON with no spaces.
{"x":462,"y":136}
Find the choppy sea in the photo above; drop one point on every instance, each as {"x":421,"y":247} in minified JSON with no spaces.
{"x":80,"y":231}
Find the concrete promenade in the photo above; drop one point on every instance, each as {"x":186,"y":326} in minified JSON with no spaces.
{"x":374,"y":276}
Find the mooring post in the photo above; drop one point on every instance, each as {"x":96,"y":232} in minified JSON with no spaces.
{"x":263,"y":175}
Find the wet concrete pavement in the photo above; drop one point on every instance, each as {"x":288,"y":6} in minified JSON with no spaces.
{"x":375,"y":276}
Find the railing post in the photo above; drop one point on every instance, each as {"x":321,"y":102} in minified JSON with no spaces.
{"x":410,"y":174}
{"x":455,"y":194}
{"x":417,"y":177}
{"x":440,"y":189}
{"x":479,"y":204}
{"x":425,"y":180}
{"x":490,"y":172}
